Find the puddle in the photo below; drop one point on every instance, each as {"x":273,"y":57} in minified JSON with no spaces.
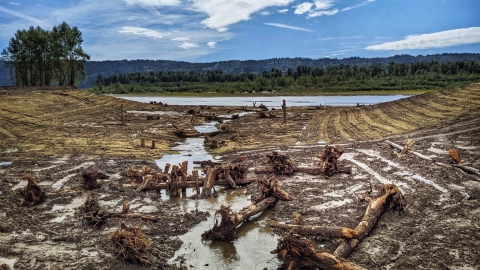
{"x":57,"y":185}
{"x":68,"y":209}
{"x":466,"y":147}
{"x":13,"y":150}
{"x":245,"y":252}
{"x":5,"y":163}
{"x":331,"y":204}
{"x":9,"y":262}
{"x":22,"y":184}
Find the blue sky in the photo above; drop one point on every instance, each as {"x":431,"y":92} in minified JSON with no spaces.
{"x":217,"y":30}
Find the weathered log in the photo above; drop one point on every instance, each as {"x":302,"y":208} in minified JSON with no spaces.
{"x":391,"y":198}
{"x":229,"y":179}
{"x":188,"y":184}
{"x":197,"y":182}
{"x":326,"y":232}
{"x":230,"y":221}
{"x":297,"y":252}
{"x":145,"y":183}
{"x":394,"y":145}
{"x":209,"y":182}
{"x":310,"y":170}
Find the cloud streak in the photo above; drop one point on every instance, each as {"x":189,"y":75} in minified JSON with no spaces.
{"x":140,"y":31}
{"x":442,"y":39}
{"x":281,"y":25}
{"x":26,"y":17}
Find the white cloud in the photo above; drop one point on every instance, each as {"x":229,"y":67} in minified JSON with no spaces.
{"x":303,"y":8}
{"x":212,"y":44}
{"x":323,"y":4}
{"x":434,"y":40}
{"x":33,"y":20}
{"x":289,"y":27}
{"x":14,"y":3}
{"x":264,"y":13}
{"x":223,"y":13}
{"x":187,"y":45}
{"x":322,"y":13}
{"x":154,"y":3}
{"x":337,"y":38}
{"x":283,"y":10}
{"x":140,"y":31}
{"x":181,"y":38}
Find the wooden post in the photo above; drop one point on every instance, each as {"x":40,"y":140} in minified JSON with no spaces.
{"x":167,"y":168}
{"x":153,"y":144}
{"x":142,"y":143}
{"x":121,"y":112}
{"x":284,"y":107}
{"x":197,"y":184}
{"x":184,"y":169}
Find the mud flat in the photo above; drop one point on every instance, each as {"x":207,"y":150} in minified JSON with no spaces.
{"x":57,"y":134}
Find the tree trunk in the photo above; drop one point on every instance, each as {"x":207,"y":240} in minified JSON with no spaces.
{"x":208,"y":184}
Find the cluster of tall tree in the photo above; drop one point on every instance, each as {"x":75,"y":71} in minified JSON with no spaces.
{"x":393,"y":76}
{"x":42,"y":57}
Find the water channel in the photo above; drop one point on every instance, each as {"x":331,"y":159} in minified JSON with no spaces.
{"x":255,"y":240}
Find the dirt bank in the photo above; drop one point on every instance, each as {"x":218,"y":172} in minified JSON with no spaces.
{"x":55,"y":134}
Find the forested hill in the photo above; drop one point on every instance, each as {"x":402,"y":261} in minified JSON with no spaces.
{"x":107,"y":68}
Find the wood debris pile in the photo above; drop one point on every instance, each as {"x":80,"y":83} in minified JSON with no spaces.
{"x":328,"y":160}
{"x":130,"y":244}
{"x":282,"y":164}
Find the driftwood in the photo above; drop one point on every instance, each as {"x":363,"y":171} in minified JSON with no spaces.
{"x":325,"y":232}
{"x":205,"y":163}
{"x":391,"y":198}
{"x":209,"y":181}
{"x":297,"y":252}
{"x":32,"y":193}
{"x":310,"y":170}
{"x":230,"y":221}
{"x":282,"y":164}
{"x":453,"y":153}
{"x":130,"y":244}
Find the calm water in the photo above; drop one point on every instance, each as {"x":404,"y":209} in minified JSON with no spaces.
{"x":273,"y":101}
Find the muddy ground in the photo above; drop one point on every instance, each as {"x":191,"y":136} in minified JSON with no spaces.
{"x":56,"y":134}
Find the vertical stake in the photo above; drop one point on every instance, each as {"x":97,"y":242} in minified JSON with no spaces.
{"x":284,"y":107}
{"x":142,"y":143}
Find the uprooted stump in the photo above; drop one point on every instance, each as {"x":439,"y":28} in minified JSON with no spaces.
{"x":269,"y":186}
{"x":32,"y":193}
{"x":282,"y":164}
{"x":130,"y":244}
{"x":328,"y":160}
{"x":92,"y":213}
{"x":91,"y":178}
{"x":230,"y":220}
{"x":297,"y":252}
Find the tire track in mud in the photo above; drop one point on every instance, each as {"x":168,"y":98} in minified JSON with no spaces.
{"x":404,"y":115}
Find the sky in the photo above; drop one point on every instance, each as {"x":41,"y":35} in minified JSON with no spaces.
{"x":221,"y":30}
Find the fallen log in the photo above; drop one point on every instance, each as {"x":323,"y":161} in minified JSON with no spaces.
{"x":325,"y":232}
{"x":270,"y":193}
{"x":268,"y":169}
{"x":391,"y":198}
{"x":394,"y":145}
{"x":205,"y":163}
{"x":229,"y":220}
{"x":297,"y":253}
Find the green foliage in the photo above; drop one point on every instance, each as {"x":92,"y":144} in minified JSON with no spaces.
{"x":41,"y":57}
{"x":394,"y":76}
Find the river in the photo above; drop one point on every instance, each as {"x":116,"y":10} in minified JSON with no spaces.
{"x":269,"y":101}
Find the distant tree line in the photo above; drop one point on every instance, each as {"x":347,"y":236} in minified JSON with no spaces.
{"x":393,"y":76}
{"x":42,"y":57}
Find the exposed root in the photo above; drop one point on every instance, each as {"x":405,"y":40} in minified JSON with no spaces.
{"x":269,"y":186}
{"x":282,"y":164}
{"x":328,"y":160}
{"x":130,"y":244}
{"x":32,"y":193}
{"x":226,"y":229}
{"x":92,"y":213}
